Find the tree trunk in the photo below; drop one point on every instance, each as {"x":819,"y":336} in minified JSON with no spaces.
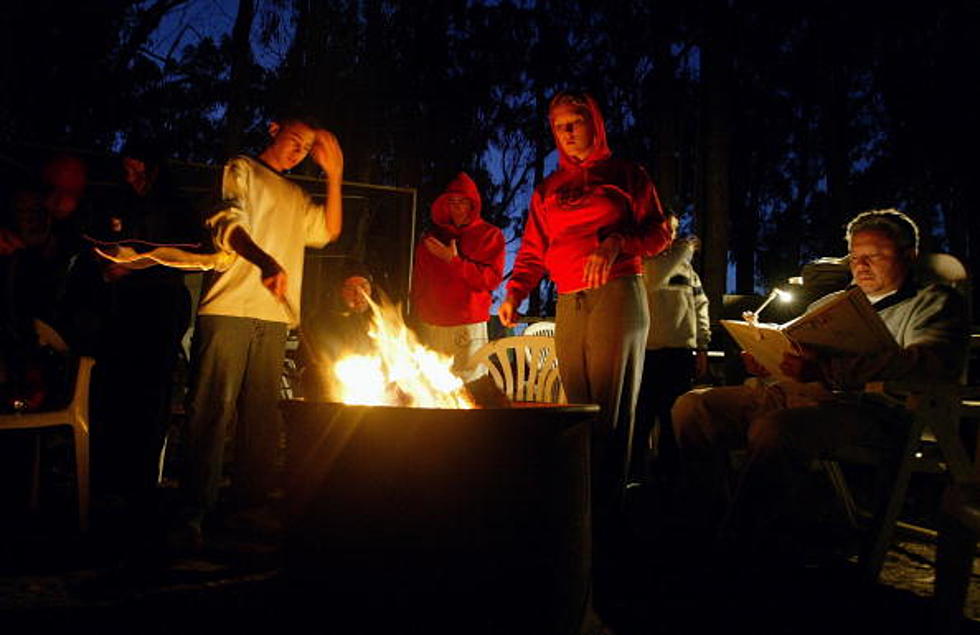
{"x":745,"y":220}
{"x":716,"y":71}
{"x":241,"y":65}
{"x":665,"y":169}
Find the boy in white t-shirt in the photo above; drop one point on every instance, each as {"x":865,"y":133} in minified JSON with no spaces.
{"x":245,"y":312}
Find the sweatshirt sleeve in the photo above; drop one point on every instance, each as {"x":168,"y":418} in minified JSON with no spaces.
{"x":484,"y":268}
{"x":935,"y":348}
{"x":650,"y":233}
{"x":315,"y":223}
{"x":529,"y":266}
{"x":660,"y":268}
{"x":703,"y":336}
{"x":233,"y":210}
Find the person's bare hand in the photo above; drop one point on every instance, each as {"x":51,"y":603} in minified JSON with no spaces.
{"x":440,"y":250}
{"x":599,"y":263}
{"x":113,"y":272}
{"x":275,"y":280}
{"x":753,"y":366}
{"x":9,"y":242}
{"x":327,"y":154}
{"x":700,"y":363}
{"x":801,"y":366}
{"x":508,"y":311}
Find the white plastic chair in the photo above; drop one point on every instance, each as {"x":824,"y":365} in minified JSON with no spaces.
{"x":546,"y":329}
{"x":524,"y":367}
{"x":75,"y":415}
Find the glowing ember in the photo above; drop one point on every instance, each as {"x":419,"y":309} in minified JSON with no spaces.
{"x":400,"y":372}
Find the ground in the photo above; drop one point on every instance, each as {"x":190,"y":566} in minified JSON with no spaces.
{"x":658,"y":578}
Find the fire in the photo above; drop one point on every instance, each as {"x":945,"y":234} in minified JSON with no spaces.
{"x":400,"y":372}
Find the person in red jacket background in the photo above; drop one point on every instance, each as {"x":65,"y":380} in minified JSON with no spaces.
{"x":458,"y":264}
{"x":591,"y":223}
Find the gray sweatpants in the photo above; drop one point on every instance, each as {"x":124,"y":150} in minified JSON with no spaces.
{"x":600,"y":341}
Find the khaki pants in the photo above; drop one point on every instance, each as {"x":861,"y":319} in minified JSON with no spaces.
{"x":779,"y":436}
{"x":766,"y":419}
{"x":460,"y":342}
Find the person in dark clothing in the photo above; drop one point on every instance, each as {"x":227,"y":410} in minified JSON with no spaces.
{"x":676,"y":354}
{"x":39,"y":245}
{"x":39,"y":242}
{"x":338,"y":328}
{"x":146,"y":313}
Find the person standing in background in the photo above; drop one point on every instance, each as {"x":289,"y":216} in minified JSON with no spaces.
{"x":677,"y":349}
{"x":458,"y":264}
{"x":146,"y":313}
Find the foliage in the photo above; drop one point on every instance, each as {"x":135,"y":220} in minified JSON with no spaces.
{"x":826,"y":109}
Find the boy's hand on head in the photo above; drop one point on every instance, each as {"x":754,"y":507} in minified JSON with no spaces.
{"x":327,"y":154}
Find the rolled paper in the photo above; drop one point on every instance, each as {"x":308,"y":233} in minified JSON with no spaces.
{"x":170,"y":257}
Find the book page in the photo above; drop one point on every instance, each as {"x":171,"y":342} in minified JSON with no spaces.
{"x":766,"y":342}
{"x":846,"y":323}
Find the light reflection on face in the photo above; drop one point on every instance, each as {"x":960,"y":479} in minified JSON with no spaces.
{"x":354,"y":292}
{"x":134,"y":172}
{"x":290,"y":145}
{"x":574,"y":131}
{"x":460,"y":209}
{"x":877,"y":263}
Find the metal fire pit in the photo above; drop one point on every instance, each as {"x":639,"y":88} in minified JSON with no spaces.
{"x":468,"y":521}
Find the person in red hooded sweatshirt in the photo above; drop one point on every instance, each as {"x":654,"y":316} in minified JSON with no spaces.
{"x":591,"y":223}
{"x":458,"y":264}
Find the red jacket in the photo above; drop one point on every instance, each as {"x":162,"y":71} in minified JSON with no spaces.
{"x":576,"y":207}
{"x":458,"y":292}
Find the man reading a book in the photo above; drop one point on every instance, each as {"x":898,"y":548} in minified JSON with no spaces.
{"x":819,"y":404}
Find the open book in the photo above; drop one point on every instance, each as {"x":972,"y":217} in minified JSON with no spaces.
{"x":844,"y":323}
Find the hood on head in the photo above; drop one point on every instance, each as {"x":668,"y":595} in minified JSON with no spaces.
{"x":462,"y":185}
{"x":600,"y":148}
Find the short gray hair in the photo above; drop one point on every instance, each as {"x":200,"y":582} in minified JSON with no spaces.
{"x":892,"y":222}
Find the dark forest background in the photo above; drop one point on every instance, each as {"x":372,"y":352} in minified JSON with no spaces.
{"x":766,"y":124}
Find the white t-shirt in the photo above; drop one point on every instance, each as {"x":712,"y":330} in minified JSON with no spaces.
{"x":282,"y":220}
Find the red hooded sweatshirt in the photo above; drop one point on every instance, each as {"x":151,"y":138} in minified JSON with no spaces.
{"x":459,"y":291}
{"x":577,"y":206}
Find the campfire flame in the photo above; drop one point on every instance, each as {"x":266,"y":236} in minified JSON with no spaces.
{"x":401,"y":371}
